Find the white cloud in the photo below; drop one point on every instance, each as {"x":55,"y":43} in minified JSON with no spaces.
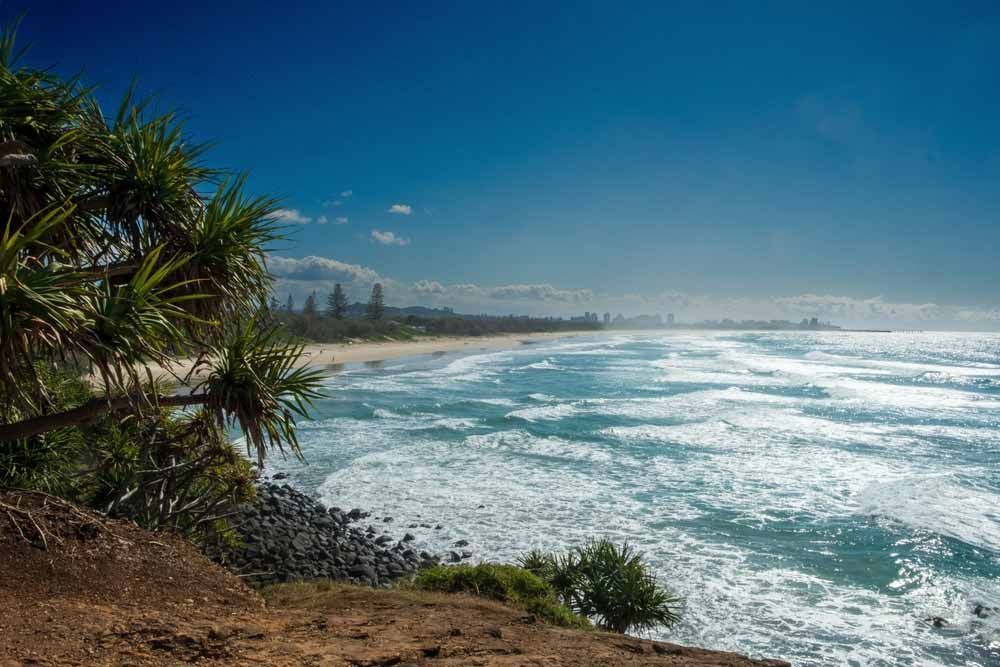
{"x":301,"y":277}
{"x":400,"y":209}
{"x":315,"y":268}
{"x":291,"y":215}
{"x":388,"y":238}
{"x":338,"y":200}
{"x":877,"y":309}
{"x":503,"y":292}
{"x":322,"y":220}
{"x":846,"y":307}
{"x":978,"y":314}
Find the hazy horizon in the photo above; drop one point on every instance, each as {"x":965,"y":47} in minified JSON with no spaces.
{"x":782,"y":162}
{"x":300,"y":277}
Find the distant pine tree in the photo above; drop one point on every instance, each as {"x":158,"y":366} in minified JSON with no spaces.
{"x":376,"y":304}
{"x":309,"y":310}
{"x":336,"y":303}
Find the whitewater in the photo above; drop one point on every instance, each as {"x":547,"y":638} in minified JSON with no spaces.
{"x":816,"y":497}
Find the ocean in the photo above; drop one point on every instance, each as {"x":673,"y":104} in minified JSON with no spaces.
{"x":815,"y":497}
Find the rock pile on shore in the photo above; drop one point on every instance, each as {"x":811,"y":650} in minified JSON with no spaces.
{"x":289,"y":536}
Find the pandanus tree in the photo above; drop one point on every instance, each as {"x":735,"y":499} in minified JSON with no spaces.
{"x":122,"y":254}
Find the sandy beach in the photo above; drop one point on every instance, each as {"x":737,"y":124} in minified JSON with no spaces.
{"x":346,"y":353}
{"x":319,"y":354}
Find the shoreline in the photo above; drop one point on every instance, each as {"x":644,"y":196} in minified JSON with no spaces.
{"x":372,"y":351}
{"x":333,"y":354}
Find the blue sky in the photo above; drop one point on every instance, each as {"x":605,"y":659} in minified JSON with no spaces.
{"x":751,"y":159}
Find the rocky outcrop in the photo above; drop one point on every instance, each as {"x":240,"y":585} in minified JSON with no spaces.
{"x":288,"y":536}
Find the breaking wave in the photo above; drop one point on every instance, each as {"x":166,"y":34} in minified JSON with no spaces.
{"x":814,"y":496}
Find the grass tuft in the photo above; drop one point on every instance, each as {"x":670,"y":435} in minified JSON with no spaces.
{"x":505,"y":583}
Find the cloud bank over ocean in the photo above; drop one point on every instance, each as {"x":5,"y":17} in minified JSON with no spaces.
{"x":302,"y":276}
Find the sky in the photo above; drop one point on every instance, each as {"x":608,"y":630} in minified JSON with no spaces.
{"x":746,"y":160}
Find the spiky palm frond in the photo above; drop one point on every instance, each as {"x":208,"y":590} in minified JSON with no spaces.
{"x":608,"y":583}
{"x":138,"y":322}
{"x":537,"y":562}
{"x":46,"y":157}
{"x":226,"y":242}
{"x":137,"y":266}
{"x":253,"y":383}
{"x":151,"y":175}
{"x":613,"y":585}
{"x":9,"y":52}
{"x":39,"y":303}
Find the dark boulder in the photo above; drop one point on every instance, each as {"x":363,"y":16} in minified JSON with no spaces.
{"x":286,"y":535}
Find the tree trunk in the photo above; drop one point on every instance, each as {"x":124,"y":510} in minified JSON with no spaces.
{"x":87,"y":414}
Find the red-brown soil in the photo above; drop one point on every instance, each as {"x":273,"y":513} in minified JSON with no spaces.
{"x":79,"y":589}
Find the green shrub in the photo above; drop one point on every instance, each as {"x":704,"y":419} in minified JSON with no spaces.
{"x":50,"y":461}
{"x":499,"y":582}
{"x":608,"y":583}
{"x":538,"y":563}
{"x":552,"y":611}
{"x":300,"y":327}
{"x":47,"y":462}
{"x":506,"y":583}
{"x":170,"y":471}
{"x":163,"y":469}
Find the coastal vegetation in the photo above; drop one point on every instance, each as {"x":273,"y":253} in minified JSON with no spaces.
{"x":351,"y":322}
{"x":505,"y":583}
{"x":486,"y":325}
{"x":376,"y":304}
{"x":336,"y":303}
{"x":121,"y":250}
{"x":610,"y":583}
{"x":603,"y":582}
{"x":164,"y":469}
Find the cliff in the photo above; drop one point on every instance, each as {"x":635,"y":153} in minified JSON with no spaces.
{"x":81,"y":589}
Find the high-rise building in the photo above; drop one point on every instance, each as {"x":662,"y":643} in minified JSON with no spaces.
{"x":607,"y":319}
{"x":670,"y":319}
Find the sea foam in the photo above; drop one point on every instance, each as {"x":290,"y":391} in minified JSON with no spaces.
{"x":814,"y":496}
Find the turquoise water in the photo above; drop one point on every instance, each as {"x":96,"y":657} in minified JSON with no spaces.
{"x":815,"y":496}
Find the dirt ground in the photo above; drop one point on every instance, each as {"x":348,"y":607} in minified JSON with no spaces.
{"x":78,"y":589}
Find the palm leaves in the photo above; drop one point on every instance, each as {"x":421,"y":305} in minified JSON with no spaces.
{"x":39,"y":303}
{"x":226,"y":241}
{"x":136,"y":322}
{"x":254,"y":383}
{"x":609,"y":583}
{"x":111,"y":256}
{"x":150,"y":174}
